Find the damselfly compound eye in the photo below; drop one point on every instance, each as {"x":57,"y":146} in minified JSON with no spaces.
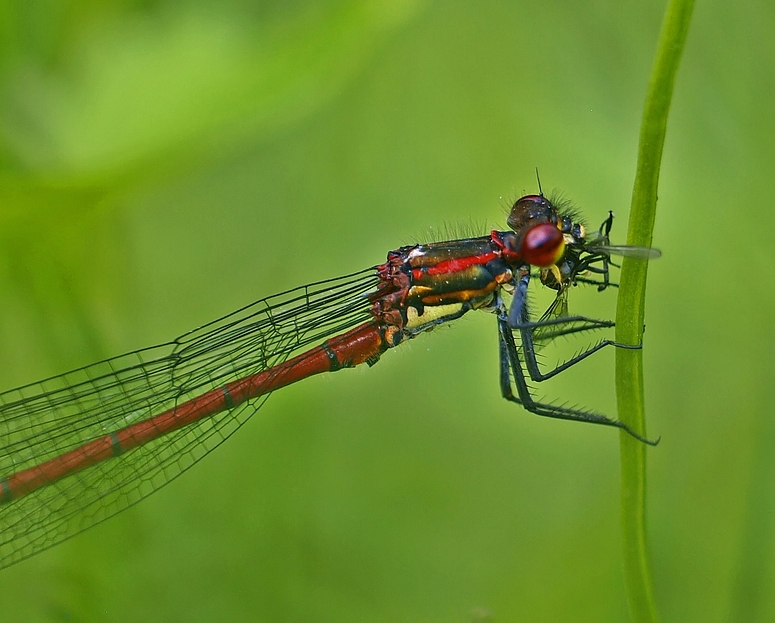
{"x":543,"y":245}
{"x":528,"y":209}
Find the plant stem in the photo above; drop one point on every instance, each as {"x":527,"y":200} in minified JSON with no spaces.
{"x":630,"y":310}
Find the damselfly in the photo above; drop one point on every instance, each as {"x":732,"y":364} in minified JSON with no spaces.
{"x":80,"y":447}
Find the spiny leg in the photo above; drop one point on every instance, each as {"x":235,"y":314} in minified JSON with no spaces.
{"x":595,"y":282}
{"x":519,"y":318}
{"x":510,"y":363}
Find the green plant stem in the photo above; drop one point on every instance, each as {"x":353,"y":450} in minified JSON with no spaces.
{"x":630,"y":310}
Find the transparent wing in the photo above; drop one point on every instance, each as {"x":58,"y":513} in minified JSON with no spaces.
{"x":638,"y":253}
{"x":557,"y":310}
{"x":44,"y":420}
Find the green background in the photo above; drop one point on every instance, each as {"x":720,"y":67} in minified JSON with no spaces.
{"x":162,"y":163}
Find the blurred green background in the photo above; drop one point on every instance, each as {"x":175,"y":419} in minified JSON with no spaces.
{"x":162,"y":163}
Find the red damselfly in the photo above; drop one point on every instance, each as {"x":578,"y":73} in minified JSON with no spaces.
{"x":80,"y":447}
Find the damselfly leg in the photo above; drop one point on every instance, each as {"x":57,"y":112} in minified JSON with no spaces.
{"x":554,"y":323}
{"x":526,"y":366}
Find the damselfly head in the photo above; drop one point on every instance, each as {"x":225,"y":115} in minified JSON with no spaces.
{"x":542,"y":230}
{"x":550,"y":237}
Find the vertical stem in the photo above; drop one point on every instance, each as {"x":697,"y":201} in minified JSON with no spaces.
{"x":630,"y":310}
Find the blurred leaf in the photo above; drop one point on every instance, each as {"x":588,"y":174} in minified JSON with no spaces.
{"x":133,"y":95}
{"x":163,"y":87}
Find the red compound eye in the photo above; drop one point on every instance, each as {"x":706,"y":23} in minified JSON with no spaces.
{"x":543,"y":245}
